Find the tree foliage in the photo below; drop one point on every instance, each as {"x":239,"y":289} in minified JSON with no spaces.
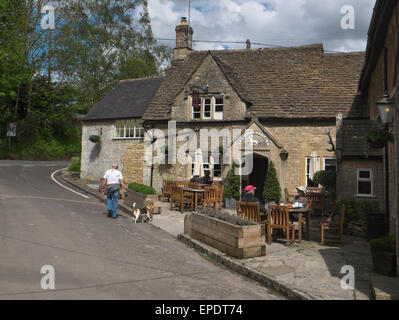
{"x":47,"y":76}
{"x":272,"y":189}
{"x":233,"y":184}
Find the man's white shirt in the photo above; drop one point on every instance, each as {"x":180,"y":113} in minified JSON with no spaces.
{"x":113,"y":176}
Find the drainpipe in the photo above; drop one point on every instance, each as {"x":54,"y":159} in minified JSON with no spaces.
{"x":386,"y":145}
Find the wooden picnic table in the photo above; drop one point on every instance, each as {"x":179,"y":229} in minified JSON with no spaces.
{"x":301,"y":212}
{"x":196,"y":192}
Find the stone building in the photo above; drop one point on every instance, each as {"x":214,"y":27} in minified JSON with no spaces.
{"x":379,"y":78}
{"x":289,"y":97}
{"x":117,"y":119}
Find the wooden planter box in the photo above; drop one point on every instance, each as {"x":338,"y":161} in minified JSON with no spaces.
{"x":384,"y":262}
{"x":240,"y":242}
{"x":140,"y":199}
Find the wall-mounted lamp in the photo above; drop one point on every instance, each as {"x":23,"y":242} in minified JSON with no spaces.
{"x":386,"y":110}
{"x":284,"y":154}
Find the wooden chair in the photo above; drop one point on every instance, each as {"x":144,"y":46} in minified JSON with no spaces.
{"x":211,"y":197}
{"x":249,"y":211}
{"x":318,"y":198}
{"x":167,"y":189}
{"x":181,"y":199}
{"x":339,"y":227}
{"x":278,"y":218}
{"x":221,"y":191}
{"x":288,"y":198}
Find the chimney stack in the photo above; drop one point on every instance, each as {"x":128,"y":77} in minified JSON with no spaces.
{"x":184,"y":40}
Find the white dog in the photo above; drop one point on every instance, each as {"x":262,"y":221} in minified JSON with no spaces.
{"x":146,"y":212}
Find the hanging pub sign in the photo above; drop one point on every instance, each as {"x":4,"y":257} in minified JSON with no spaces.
{"x":12,"y":129}
{"x":195,"y":99}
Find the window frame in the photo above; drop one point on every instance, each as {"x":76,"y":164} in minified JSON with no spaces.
{"x":214,"y":115}
{"x":307,"y":171}
{"x":129,"y":126}
{"x":203,"y":108}
{"x":371,"y":180}
{"x":329,"y":158}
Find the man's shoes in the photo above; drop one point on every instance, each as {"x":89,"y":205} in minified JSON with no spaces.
{"x":110,"y":213}
{"x":114,"y":217}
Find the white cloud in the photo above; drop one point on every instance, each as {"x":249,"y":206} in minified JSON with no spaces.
{"x":279,"y":22}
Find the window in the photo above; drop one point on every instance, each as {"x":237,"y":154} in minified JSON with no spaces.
{"x":218,"y":115}
{"x":207,"y":105}
{"x":330,"y":164}
{"x":197,"y":112}
{"x":365,"y":182}
{"x":217,"y":168}
{"x":307,"y":170}
{"x":129,"y":129}
{"x":208,"y":108}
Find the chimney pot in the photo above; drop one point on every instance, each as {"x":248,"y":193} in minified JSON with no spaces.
{"x":183,"y":20}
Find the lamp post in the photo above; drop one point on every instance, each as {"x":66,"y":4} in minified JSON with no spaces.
{"x":386,"y":109}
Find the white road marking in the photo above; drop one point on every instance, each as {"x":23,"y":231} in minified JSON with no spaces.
{"x":52,"y":177}
{"x":9,"y":196}
{"x":28,"y":165}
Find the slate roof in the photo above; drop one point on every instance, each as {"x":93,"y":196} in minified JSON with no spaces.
{"x":129,"y":99}
{"x":350,"y":138}
{"x":298,"y":82}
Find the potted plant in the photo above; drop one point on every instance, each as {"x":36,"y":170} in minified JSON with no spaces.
{"x":95,"y":138}
{"x":370,"y":213}
{"x":383,"y":254}
{"x":232,"y":188}
{"x":272,"y":189}
{"x":377,"y":138}
{"x":327,"y":179}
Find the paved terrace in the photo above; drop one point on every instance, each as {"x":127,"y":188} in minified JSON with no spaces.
{"x":305,"y":270}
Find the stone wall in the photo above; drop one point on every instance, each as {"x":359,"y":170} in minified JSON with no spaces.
{"x":209,"y":74}
{"x":98,"y":158}
{"x":299,"y":140}
{"x":347,"y":179}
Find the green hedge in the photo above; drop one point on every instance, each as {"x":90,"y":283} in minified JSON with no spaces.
{"x":75,"y":164}
{"x":357,"y":210}
{"x":386,"y":243}
{"x":141,"y":188}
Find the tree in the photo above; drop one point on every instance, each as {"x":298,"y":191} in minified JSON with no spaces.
{"x":272,"y":189}
{"x":233,"y":184}
{"x":48,"y":75}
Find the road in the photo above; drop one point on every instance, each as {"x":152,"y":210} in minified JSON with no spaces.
{"x":95,"y":257}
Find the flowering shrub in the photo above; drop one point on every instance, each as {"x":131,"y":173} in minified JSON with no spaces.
{"x":378,"y":136}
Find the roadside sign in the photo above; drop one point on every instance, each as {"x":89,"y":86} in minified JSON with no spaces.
{"x":12,"y":129}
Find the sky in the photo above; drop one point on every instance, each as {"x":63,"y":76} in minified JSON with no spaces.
{"x":269,"y":22}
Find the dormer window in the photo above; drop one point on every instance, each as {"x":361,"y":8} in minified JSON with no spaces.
{"x":209,"y":108}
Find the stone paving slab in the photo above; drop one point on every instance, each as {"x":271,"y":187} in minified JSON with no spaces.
{"x":385,"y":288}
{"x":304,"y":270}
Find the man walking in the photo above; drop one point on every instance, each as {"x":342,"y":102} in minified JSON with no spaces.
{"x":113,"y":179}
